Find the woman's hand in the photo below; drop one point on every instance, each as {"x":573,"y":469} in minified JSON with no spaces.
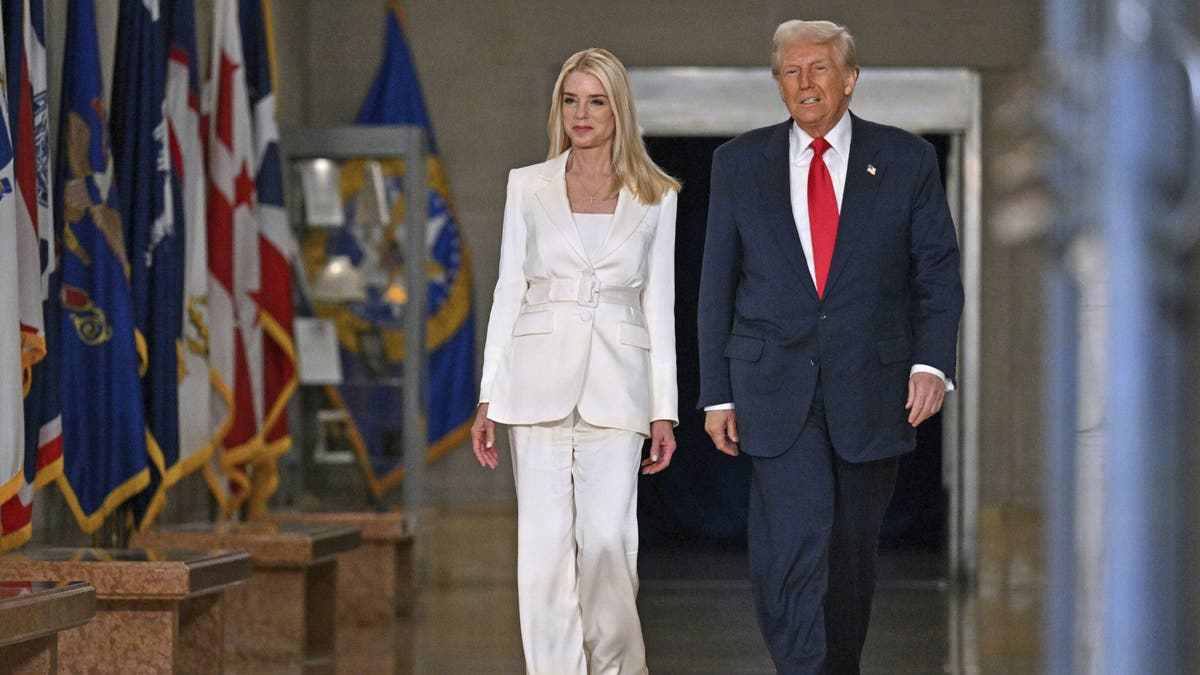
{"x":662,"y":446}
{"x":483,"y":439}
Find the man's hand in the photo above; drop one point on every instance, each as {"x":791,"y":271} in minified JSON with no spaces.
{"x":662,"y":446}
{"x":721,"y":426}
{"x":483,"y":439}
{"x":926,"y":392}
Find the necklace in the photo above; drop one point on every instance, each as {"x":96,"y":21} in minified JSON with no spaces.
{"x":595,"y":195}
{"x":592,"y":198}
{"x":603,"y":192}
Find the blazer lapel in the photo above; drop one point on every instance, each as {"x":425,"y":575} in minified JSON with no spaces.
{"x":775,"y":186}
{"x":864,"y":173}
{"x":626,"y":218}
{"x":553,"y":198}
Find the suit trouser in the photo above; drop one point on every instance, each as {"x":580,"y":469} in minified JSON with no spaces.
{"x":577,"y":542}
{"x":813,"y":533}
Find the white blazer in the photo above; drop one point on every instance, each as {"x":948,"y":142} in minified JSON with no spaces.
{"x":569,"y":330}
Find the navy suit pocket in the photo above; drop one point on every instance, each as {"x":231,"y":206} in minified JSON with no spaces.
{"x":744,"y":348}
{"x":754,"y":370}
{"x":891,"y":351}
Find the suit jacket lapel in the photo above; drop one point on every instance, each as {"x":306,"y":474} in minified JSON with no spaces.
{"x":626,"y":218}
{"x":774,"y":181}
{"x":553,"y":198}
{"x":864,"y":172}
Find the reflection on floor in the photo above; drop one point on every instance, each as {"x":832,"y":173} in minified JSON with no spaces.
{"x":696,"y":611}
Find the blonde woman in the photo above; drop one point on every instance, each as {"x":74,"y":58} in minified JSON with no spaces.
{"x":580,"y":364}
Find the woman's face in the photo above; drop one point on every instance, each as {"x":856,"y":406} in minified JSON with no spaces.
{"x":587,"y":112}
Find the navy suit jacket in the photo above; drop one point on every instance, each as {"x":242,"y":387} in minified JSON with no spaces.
{"x":893,"y":296}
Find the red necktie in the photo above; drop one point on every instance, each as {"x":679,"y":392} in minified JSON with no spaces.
{"x":822,"y":213}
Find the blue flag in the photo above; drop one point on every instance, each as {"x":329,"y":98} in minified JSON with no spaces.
{"x":153,"y":238}
{"x":104,"y":432}
{"x":395,"y":98}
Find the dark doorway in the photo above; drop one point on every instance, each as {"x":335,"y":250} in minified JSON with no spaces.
{"x":692,"y":517}
{"x":699,"y":504}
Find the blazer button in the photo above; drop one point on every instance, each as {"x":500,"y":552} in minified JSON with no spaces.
{"x":812,"y":362}
{"x":824,"y":316}
{"x":585,"y":316}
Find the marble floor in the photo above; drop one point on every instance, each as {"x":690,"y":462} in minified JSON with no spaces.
{"x":695,"y":607}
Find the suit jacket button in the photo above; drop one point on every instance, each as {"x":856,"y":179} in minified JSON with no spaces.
{"x":586,"y":316}
{"x":812,"y":362}
{"x":824,"y":316}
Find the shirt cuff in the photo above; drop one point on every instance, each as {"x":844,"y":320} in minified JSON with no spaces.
{"x":920,"y":368}
{"x":719,"y":406}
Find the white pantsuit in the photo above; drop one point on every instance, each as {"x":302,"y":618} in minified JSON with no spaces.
{"x":577,"y":542}
{"x":579,"y":359}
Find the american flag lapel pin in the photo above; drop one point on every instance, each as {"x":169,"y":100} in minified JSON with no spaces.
{"x":871,"y":169}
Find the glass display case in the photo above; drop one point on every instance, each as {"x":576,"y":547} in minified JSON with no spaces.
{"x":362,"y":246}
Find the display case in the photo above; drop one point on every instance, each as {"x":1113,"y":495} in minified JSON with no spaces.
{"x":360,"y":332}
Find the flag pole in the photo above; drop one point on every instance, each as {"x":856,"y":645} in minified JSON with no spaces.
{"x":414,"y":320}
{"x":115,"y":530}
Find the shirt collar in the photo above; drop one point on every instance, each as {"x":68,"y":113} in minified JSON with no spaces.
{"x":838,"y":137}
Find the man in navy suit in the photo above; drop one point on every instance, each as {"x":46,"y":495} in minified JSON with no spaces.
{"x":829,"y":305}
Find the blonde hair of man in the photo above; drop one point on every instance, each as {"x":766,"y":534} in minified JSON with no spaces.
{"x":817,"y":32}
{"x":632,"y":167}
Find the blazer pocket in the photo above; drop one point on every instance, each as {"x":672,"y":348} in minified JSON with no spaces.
{"x":532,"y":323}
{"x":891,"y":351}
{"x":743,"y":348}
{"x":633,"y":334}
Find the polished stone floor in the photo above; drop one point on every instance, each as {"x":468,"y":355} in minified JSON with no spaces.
{"x":695,"y":607}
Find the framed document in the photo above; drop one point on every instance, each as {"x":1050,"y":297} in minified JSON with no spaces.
{"x":317,"y":351}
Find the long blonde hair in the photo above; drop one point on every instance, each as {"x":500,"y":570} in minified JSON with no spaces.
{"x":632,"y":167}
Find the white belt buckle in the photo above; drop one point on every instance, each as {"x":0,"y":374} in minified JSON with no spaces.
{"x":589,"y":289}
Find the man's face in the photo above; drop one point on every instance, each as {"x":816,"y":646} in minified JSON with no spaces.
{"x":815,"y":85}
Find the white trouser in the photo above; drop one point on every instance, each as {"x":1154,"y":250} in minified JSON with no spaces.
{"x":577,"y":542}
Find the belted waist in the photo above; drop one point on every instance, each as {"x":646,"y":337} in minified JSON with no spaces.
{"x":586,"y":290}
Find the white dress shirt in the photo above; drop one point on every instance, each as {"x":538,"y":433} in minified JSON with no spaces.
{"x":800,"y":157}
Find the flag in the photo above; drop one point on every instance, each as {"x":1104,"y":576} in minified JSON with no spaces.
{"x":12,"y":421}
{"x":277,"y":249}
{"x":44,"y":464}
{"x":35,"y":57}
{"x":235,"y":336}
{"x":19,"y":88}
{"x":105,"y":458}
{"x":141,"y":166}
{"x":25,"y":54}
{"x":196,"y":388}
{"x":395,"y":98}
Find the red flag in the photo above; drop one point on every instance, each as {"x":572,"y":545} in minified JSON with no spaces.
{"x":25,"y":170}
{"x":235,"y":337}
{"x":277,"y":249}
